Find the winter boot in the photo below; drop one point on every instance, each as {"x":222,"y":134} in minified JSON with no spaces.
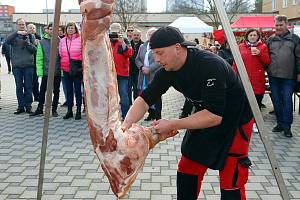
{"x":54,"y":112}
{"x":38,"y":112}
{"x":69,"y":114}
{"x":78,"y":113}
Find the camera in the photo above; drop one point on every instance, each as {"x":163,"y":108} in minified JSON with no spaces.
{"x":113,"y":35}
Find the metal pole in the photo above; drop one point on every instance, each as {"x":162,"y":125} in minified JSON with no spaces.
{"x":251,"y":98}
{"x":53,"y":55}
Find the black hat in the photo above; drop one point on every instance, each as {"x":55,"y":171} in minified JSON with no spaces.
{"x":167,"y":36}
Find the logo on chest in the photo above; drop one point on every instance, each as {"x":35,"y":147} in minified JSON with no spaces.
{"x":210,"y":82}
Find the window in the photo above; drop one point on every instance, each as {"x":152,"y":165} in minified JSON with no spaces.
{"x":273,"y":5}
{"x":284,"y":3}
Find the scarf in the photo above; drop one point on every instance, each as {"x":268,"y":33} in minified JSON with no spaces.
{"x":252,"y":44}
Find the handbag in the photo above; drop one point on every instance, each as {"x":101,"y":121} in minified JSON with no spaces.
{"x":75,"y":65}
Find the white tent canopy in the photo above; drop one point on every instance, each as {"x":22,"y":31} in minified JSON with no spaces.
{"x":191,"y":25}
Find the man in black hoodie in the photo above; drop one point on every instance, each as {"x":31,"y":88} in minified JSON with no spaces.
{"x":218,"y":132}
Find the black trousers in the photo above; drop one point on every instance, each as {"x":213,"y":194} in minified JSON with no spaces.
{"x":156,"y":111}
{"x":158,"y":108}
{"x":132,"y":87}
{"x":73,"y":86}
{"x":43,"y":89}
{"x":259,"y":98}
{"x":35,"y":85}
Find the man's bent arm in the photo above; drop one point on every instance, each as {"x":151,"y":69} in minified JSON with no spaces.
{"x":199,"y":120}
{"x":135,"y":113}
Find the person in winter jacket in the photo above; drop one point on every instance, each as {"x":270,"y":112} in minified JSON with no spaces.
{"x":22,"y":60}
{"x":147,"y":70}
{"x":70,"y":48}
{"x":136,"y":42}
{"x":61,"y":34}
{"x":225,"y":53}
{"x":6,"y":51}
{"x":122,"y":51}
{"x":42,"y":68}
{"x":31,"y":28}
{"x":256,"y":58}
{"x":283,"y":71}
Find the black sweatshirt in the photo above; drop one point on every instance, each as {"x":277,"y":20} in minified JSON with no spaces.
{"x":208,"y":82}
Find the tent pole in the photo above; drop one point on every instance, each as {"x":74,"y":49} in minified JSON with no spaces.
{"x":53,"y":55}
{"x":251,"y":98}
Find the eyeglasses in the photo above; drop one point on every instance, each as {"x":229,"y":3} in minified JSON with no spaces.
{"x":129,"y":30}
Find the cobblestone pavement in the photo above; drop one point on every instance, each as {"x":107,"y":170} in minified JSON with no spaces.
{"x":72,"y":170}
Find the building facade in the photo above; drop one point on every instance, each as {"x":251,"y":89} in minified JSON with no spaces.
{"x":290,"y":8}
{"x":6,"y":10}
{"x":6,"y":20}
{"x":6,"y":26}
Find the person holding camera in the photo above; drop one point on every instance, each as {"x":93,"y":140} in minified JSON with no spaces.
{"x":70,"y":51}
{"x":122,"y":51}
{"x":22,"y":59}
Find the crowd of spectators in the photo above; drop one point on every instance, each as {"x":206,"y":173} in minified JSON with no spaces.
{"x":27,"y":55}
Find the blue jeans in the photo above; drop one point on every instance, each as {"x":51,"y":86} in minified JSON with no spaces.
{"x":282,"y":92}
{"x":24,"y":81}
{"x":73,"y":83}
{"x":123,"y":92}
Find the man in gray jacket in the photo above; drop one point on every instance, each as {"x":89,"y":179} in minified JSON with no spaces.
{"x":284,"y":71}
{"x":147,"y":68}
{"x":22,"y":59}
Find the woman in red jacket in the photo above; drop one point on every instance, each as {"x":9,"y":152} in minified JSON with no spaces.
{"x":256,"y":58}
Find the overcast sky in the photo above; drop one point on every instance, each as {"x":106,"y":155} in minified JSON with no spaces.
{"x":39,"y":5}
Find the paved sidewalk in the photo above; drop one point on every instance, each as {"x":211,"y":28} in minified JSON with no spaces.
{"x":72,"y":171}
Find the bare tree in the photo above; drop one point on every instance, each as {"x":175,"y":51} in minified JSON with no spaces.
{"x":126,"y":12}
{"x":234,"y":7}
{"x":197,"y":7}
{"x":258,"y":6}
